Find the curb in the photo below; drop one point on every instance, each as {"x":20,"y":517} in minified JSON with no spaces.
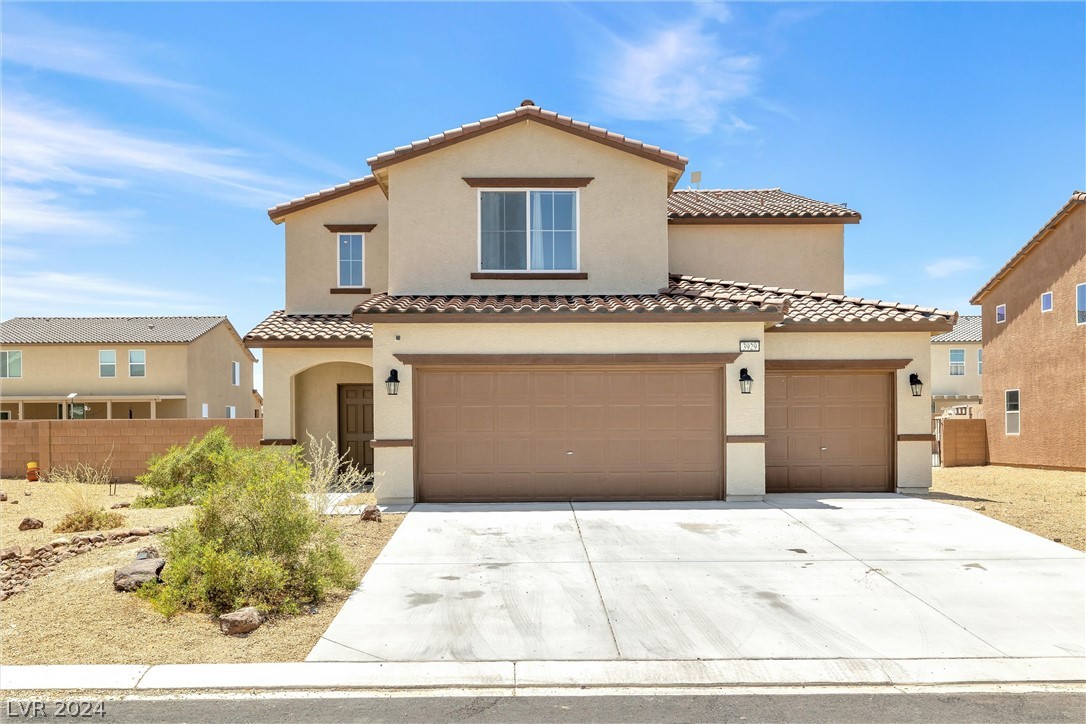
{"x":513,"y":675}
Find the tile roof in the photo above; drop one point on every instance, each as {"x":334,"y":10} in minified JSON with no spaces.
{"x":1078,"y":198}
{"x":106,"y":330}
{"x":751,"y":204}
{"x":282,"y":327}
{"x":528,"y":110}
{"x":276,"y":213}
{"x":966,"y":330}
{"x":684,"y":295}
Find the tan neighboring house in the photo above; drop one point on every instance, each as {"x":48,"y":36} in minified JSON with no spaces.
{"x":957,"y":368}
{"x":102,"y":368}
{"x":526,"y":308}
{"x":1034,"y":318}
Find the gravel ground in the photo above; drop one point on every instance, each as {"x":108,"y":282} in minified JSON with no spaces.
{"x":1050,"y":503}
{"x":73,"y":615}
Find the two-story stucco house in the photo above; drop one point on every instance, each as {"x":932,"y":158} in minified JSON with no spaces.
{"x":526,"y":308}
{"x":102,"y":368}
{"x":1034,"y":312}
{"x":957,"y":368}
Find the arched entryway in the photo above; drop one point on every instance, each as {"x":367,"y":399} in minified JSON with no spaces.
{"x":335,"y":400}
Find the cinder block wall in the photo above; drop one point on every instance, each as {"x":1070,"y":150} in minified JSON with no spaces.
{"x":127,"y":443}
{"x":965,"y":442}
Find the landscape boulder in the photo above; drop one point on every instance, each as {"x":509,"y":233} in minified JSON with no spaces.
{"x":30,"y":524}
{"x":147,"y":552}
{"x":241,"y":621}
{"x":117,"y":506}
{"x":3,"y":496}
{"x":9,"y":553}
{"x":134,"y":575}
{"x":371,"y":512}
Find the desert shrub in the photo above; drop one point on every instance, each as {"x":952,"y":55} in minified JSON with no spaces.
{"x":82,"y":473}
{"x":89,"y":520}
{"x":330,"y":474}
{"x":181,"y":474}
{"x":253,"y":540}
{"x":86,"y":508}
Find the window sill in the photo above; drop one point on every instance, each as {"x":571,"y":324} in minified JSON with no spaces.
{"x":349,"y":290}
{"x":529,"y":275}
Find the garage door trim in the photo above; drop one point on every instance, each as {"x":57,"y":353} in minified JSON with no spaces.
{"x":710,"y":359}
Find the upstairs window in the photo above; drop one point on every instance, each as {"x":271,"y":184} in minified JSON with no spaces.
{"x":235,"y":374}
{"x":1080,"y":303}
{"x":107,"y":363}
{"x":528,"y":230}
{"x":1001,"y":314}
{"x":11,"y":363}
{"x":1013,"y":412}
{"x":351,"y":247}
{"x":137,"y":363}
{"x":1046,"y":302}
{"x":957,"y":362}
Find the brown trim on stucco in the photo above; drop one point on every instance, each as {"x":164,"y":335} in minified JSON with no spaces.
{"x":520,"y":182}
{"x":277,"y":213}
{"x":713,"y":220}
{"x":306,"y":343}
{"x":747,"y":438}
{"x":816,"y":327}
{"x":349,"y":290}
{"x":832,"y":365}
{"x":916,"y":437}
{"x":392,"y":443}
{"x":347,"y":228}
{"x":529,"y":275}
{"x":529,"y":317}
{"x":697,"y":358}
{"x":279,"y":441}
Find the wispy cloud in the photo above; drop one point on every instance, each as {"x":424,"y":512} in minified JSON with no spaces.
{"x":47,"y":293}
{"x":33,"y":211}
{"x":864,"y":280}
{"x":682,"y":71}
{"x":946,"y":267}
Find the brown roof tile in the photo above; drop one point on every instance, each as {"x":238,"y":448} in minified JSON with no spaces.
{"x":276,"y":213}
{"x":283,"y":327}
{"x":752,"y":204}
{"x":106,"y":330}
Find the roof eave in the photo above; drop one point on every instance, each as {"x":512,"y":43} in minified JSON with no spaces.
{"x":723,"y":220}
{"x":530,"y":317}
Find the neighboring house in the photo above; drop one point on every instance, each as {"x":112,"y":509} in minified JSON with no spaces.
{"x":258,"y":404}
{"x":123,"y":367}
{"x":1034,"y":312}
{"x":524,"y":308}
{"x":957,"y":365}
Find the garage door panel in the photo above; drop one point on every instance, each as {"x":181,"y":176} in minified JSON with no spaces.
{"x":514,"y":453}
{"x":587,"y":418}
{"x":629,"y":385}
{"x":838,"y":387}
{"x":623,"y":417}
{"x":662,"y":384}
{"x":514,"y":418}
{"x":839,"y":417}
{"x":660,"y":454}
{"x":550,"y":418}
{"x":872,"y":387}
{"x":805,"y":387}
{"x":776,"y":418}
{"x":662,"y":418}
{"x":477,"y":387}
{"x":477,"y":453}
{"x":476,"y":418}
{"x":549,"y":384}
{"x":874,"y":416}
{"x":805,"y":417}
{"x":804,"y":447}
{"x":699,"y":417}
{"x":441,"y":419}
{"x":512,"y":385}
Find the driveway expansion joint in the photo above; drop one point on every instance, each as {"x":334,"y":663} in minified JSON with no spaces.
{"x":595,"y":581}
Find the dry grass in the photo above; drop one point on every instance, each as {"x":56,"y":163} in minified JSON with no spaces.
{"x":73,"y":615}
{"x":1050,"y":503}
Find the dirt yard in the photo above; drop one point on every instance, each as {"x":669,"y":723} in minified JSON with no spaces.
{"x":1050,"y":503}
{"x":73,"y":615}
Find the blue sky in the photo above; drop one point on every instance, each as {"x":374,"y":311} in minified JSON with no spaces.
{"x":142,"y":143}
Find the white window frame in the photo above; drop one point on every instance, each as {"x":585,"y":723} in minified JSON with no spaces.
{"x":956,"y":365}
{"x":7,"y":353}
{"x":1047,"y":295}
{"x":526,"y":190}
{"x":144,"y":363}
{"x":235,"y":373}
{"x":100,"y":363}
{"x":339,"y":260}
{"x":1001,"y":313}
{"x":231,"y":412}
{"x":980,"y":360}
{"x":1080,"y":311}
{"x":1007,"y":413}
{"x":204,"y":411}
{"x":5,"y":414}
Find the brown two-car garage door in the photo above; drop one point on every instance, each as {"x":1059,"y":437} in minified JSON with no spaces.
{"x":553,"y":433}
{"x":828,"y":431}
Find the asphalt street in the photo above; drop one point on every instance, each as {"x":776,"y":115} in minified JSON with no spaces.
{"x":830,"y":708}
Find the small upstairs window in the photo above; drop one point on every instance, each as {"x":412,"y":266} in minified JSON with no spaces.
{"x":1001,"y":314}
{"x":528,"y":230}
{"x":137,"y":363}
{"x":235,"y":374}
{"x":11,"y":363}
{"x":980,"y":361}
{"x":1080,"y":304}
{"x":1046,"y":302}
{"x":957,"y":362}
{"x":351,"y":265}
{"x":107,"y":363}
{"x":1012,"y":412}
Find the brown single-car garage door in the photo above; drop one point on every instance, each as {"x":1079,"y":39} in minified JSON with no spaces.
{"x":531,"y":433}
{"x":828,"y":432}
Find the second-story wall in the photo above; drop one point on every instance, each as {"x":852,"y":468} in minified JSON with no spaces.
{"x":944,"y":383}
{"x":434,"y":214}
{"x":209,"y":375}
{"x":797,"y":256}
{"x":59,"y":369}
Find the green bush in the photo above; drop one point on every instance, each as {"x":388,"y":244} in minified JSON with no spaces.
{"x":253,"y":540}
{"x":182,"y":474}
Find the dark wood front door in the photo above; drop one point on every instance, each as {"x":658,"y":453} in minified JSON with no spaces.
{"x":356,"y":424}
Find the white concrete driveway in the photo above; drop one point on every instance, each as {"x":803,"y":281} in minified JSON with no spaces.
{"x":796,"y":577}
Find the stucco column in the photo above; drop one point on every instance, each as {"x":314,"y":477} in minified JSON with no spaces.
{"x":20,"y":409}
{"x":109,"y":409}
{"x":154,"y":410}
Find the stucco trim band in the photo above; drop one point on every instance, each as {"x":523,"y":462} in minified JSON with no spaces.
{"x":747,"y":438}
{"x":529,"y":275}
{"x":708,"y":358}
{"x":347,"y":228}
{"x":279,"y":441}
{"x":916,"y":437}
{"x":392,"y":443}
{"x":349,"y":290}
{"x":524,"y":182}
{"x":830,"y":365}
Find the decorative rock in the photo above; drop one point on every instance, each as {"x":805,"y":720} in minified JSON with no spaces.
{"x":26,"y":492}
{"x":30,"y":524}
{"x":98,"y":538}
{"x":139,"y":532}
{"x":3,"y":496}
{"x":156,"y":529}
{"x":131,"y":539}
{"x":9,"y":553}
{"x":15,"y":502}
{"x":134,"y":575}
{"x":241,"y":621}
{"x":147,"y":552}
{"x":43,"y":549}
{"x":117,"y":506}
{"x":371,"y":512}
{"x":60,"y":543}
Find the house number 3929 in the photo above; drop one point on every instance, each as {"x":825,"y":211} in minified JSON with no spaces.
{"x":750,"y":345}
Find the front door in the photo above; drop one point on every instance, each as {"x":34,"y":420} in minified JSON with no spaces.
{"x":356,"y":424}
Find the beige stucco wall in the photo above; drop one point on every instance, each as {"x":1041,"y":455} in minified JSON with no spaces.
{"x":799,"y":256}
{"x":942,"y":382}
{"x":288,"y":411}
{"x":434,"y":215}
{"x":312,"y":254}
{"x":393,"y":415}
{"x":209,"y":359}
{"x":58,"y":369}
{"x":913,"y":414}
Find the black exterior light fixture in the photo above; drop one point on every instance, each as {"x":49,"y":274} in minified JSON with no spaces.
{"x":916,"y":384}
{"x":745,"y":381}
{"x":392,"y":384}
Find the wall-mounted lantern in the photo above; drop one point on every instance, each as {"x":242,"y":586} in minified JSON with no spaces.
{"x":745,"y":381}
{"x":916,"y":384}
{"x":392,"y":384}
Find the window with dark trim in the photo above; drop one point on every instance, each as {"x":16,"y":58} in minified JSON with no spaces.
{"x":1012,"y":411}
{"x":529,"y":230}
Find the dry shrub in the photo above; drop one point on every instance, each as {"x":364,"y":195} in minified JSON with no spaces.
{"x":86,"y":509}
{"x":93,"y":520}
{"x":331,"y":474}
{"x":83,"y":474}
